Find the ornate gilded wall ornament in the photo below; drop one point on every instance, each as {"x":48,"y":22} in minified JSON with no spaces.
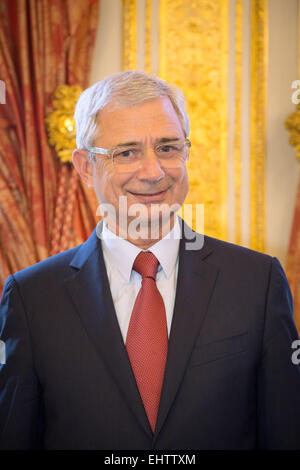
{"x":129,"y":59}
{"x":292,"y":124}
{"x":259,"y":50}
{"x":148,"y":24}
{"x":60,"y":123}
{"x":238,"y":118}
{"x":193,"y":54}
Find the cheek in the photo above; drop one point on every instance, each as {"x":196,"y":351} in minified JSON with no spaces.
{"x":181,"y":187}
{"x":180,"y":180}
{"x":102,"y":182}
{"x":108,"y":185}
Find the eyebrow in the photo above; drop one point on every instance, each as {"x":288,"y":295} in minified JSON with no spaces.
{"x":158,"y":141}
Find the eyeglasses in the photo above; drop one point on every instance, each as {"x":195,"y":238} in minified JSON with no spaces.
{"x":128,"y":158}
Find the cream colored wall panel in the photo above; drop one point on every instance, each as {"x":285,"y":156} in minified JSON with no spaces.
{"x":108,"y":49}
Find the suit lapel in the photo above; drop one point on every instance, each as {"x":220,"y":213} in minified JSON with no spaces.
{"x":89,"y":290}
{"x":195,"y":285}
{"x":91,"y":296}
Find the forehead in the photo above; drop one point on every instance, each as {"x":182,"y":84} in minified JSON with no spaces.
{"x":152,"y":119}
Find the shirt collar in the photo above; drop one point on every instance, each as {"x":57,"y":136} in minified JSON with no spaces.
{"x":166,"y":249}
{"x":121,"y":254}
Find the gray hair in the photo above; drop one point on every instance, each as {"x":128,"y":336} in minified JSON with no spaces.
{"x":127,"y":88}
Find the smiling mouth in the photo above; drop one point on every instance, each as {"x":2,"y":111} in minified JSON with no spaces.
{"x":150,"y":197}
{"x":148,"y":194}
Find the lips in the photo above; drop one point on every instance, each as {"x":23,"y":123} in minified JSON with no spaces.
{"x":149,"y":197}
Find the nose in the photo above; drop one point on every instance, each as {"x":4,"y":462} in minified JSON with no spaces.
{"x":150,"y":168}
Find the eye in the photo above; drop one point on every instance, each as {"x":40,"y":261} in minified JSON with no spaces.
{"x":167,"y":148}
{"x":125,"y":153}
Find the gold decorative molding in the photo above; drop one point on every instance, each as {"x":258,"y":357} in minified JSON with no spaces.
{"x":129,"y":57}
{"x":237,"y":124}
{"x":194,"y":56}
{"x":60,"y":123}
{"x":148,"y":22}
{"x":259,"y":34}
{"x":292,"y":123}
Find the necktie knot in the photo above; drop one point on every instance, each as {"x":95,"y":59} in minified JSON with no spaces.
{"x":146,"y":264}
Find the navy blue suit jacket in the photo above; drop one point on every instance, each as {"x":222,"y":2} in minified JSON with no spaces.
{"x":229,"y":381}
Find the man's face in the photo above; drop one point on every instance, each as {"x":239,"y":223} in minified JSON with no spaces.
{"x":151,"y":183}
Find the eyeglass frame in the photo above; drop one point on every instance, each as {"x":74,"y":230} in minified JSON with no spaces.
{"x":101,"y":151}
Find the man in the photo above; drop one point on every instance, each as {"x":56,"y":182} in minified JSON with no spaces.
{"x":131,"y":341}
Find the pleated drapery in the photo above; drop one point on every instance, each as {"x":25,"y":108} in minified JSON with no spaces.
{"x":43,"y":44}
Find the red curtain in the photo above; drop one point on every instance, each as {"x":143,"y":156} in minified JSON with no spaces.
{"x":293,"y":261}
{"x":43,"y":44}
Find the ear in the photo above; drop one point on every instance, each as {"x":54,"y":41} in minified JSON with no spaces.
{"x":83,"y":166}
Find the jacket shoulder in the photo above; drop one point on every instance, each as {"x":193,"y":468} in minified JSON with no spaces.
{"x":60,"y":265}
{"x":237,"y":258}
{"x":56,"y":265}
{"x":225,"y":247}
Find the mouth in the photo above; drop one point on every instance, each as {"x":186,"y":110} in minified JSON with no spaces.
{"x":150,"y":196}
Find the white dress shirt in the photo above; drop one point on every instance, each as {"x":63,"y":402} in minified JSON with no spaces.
{"x":125,"y":283}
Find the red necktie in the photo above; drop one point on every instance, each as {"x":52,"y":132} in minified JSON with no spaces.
{"x":147,"y":336}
